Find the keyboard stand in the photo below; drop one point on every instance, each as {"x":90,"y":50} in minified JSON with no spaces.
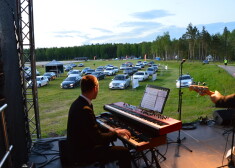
{"x":137,"y":155}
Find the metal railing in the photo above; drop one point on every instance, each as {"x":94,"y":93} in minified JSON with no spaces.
{"x":8,"y":148}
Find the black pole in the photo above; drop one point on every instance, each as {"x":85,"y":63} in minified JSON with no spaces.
{"x":180,"y":97}
{"x":179,"y":140}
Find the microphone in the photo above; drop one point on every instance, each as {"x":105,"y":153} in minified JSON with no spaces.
{"x":183,"y":60}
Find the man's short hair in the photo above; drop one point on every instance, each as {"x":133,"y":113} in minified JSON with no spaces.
{"x":88,"y":83}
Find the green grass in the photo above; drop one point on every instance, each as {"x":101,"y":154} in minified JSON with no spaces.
{"x":54,"y":102}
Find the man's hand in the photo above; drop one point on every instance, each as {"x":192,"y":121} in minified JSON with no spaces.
{"x":123,"y":133}
{"x":216,"y":96}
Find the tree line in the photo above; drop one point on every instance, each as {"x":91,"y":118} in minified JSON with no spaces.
{"x":193,"y":45}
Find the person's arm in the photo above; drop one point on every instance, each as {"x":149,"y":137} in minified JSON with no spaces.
{"x":223,"y":101}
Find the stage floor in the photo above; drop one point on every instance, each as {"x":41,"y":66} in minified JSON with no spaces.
{"x":209,"y":143}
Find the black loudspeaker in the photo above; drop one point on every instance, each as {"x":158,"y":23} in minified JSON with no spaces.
{"x":224,"y":117}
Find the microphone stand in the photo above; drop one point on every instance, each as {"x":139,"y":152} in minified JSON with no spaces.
{"x":179,"y":140}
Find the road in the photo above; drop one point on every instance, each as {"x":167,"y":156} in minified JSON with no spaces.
{"x":229,"y":69}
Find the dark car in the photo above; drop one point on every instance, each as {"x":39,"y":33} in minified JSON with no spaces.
{"x":49,"y":76}
{"x":128,"y":70}
{"x":89,"y":71}
{"x":70,"y":82}
{"x":68,"y":68}
{"x":81,"y":65}
{"x":85,"y":69}
{"x":98,"y":75}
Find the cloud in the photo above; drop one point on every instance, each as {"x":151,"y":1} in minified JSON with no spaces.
{"x":152,"y":14}
{"x":69,"y":33}
{"x":102,"y":30}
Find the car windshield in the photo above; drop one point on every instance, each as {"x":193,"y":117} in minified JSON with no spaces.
{"x":150,"y":69}
{"x":109,"y":69}
{"x":70,"y":79}
{"x":184,"y":77}
{"x":38,"y":79}
{"x":119,"y":77}
{"x":75,"y":72}
{"x":47,"y":74}
{"x":139,"y":73}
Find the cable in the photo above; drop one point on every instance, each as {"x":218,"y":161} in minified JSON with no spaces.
{"x":41,"y":147}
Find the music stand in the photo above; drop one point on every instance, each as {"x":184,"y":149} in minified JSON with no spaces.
{"x":179,"y":140}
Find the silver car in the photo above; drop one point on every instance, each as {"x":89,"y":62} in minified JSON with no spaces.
{"x":184,"y":81}
{"x":150,"y":71}
{"x":120,"y":81}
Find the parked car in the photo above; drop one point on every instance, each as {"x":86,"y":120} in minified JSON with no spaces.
{"x":68,"y":68}
{"x":186,"y":81}
{"x":128,"y":70}
{"x":138,"y":66}
{"x":41,"y":81}
{"x":150,"y":63}
{"x":78,"y":72}
{"x":99,"y":69}
{"x":135,"y":69}
{"x":129,"y":64}
{"x":107,"y":66}
{"x":123,"y":66}
{"x":81,"y":65}
{"x":109,"y":71}
{"x":49,"y":76}
{"x":28,"y":72}
{"x":150,"y":71}
{"x":120,"y":81}
{"x":155,"y":66}
{"x":98,"y":75}
{"x":116,"y":69}
{"x":145,"y":62}
{"x":141,"y":75}
{"x":72,"y":65}
{"x":85,"y":69}
{"x":89,"y":71}
{"x":70,"y":82}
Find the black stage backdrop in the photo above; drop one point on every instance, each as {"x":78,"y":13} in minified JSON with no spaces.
{"x":10,"y":88}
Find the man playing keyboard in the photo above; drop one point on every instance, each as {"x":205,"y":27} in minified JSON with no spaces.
{"x":86,"y":141}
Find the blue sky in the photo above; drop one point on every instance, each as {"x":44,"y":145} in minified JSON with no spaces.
{"x":60,"y":23}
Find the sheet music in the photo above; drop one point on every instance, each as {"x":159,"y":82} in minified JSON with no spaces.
{"x":154,"y":99}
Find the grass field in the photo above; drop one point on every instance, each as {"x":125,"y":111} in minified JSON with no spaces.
{"x":54,"y":102}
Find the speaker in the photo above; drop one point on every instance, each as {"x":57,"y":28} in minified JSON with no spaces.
{"x":224,"y":117}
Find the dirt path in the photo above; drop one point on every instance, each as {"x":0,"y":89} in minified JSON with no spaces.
{"x":229,"y":69}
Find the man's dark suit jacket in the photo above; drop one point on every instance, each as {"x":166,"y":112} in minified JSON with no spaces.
{"x":226,"y":101}
{"x":83,"y":133}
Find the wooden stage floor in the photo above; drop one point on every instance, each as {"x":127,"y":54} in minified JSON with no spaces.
{"x":209,"y":144}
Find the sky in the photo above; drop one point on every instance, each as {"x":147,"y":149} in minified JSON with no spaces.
{"x":67,"y":23}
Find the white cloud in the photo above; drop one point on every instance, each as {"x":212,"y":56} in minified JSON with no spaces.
{"x":77,"y":22}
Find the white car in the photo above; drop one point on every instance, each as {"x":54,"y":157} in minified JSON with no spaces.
{"x":141,"y":75}
{"x":120,"y":81}
{"x":41,"y":81}
{"x":116,"y":69}
{"x":109,"y":71}
{"x":185,"y":80}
